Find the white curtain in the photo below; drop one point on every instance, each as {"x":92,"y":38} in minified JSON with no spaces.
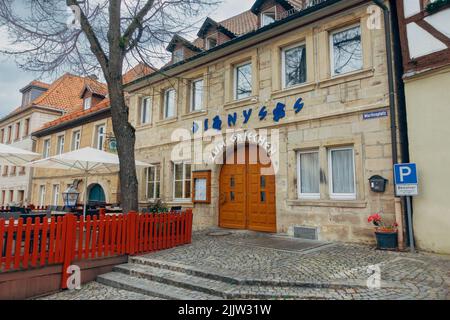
{"x":342,"y":167}
{"x":309,"y":172}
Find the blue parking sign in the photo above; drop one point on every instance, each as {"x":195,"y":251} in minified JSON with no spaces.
{"x":405,"y":177}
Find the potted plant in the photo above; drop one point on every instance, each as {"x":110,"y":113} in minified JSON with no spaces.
{"x":385,"y":233}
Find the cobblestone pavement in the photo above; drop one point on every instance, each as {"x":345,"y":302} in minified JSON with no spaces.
{"x":347,"y":267}
{"x":97,"y":291}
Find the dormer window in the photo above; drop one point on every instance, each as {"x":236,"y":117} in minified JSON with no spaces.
{"x":87,"y":103}
{"x":268,"y":16}
{"x":178,"y":55}
{"x":211,"y":42}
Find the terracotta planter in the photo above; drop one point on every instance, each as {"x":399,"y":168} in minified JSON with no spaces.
{"x":387,"y":240}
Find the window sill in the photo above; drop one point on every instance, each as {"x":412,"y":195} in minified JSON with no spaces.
{"x":144,"y":126}
{"x":357,"y":75}
{"x":328,"y":203}
{"x":183,"y":203}
{"x":241,"y":103}
{"x":194,"y":114}
{"x":167,"y":121}
{"x":305,"y":87}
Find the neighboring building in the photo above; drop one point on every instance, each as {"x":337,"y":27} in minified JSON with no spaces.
{"x":89,"y":125}
{"x":311,"y":70}
{"x":41,"y":103}
{"x":425,"y":38}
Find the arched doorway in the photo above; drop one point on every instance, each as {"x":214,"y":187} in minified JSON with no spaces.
{"x":247,"y":191}
{"x":96,"y":193}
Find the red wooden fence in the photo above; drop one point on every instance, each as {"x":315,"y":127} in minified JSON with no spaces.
{"x":65,"y":240}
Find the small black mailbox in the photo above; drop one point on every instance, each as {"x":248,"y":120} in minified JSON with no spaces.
{"x":378,"y":183}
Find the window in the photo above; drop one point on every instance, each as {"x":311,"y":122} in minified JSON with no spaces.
{"x":11,"y":195}
{"x":243,"y":81}
{"x":9,"y":134}
{"x":169,"y":103}
{"x":26,"y":129}
{"x":87,"y":103}
{"x":178,"y":55}
{"x":308,"y":175}
{"x":13,"y":171}
{"x":20,"y":196}
{"x":42,"y":195}
{"x":182,"y":181}
{"x":22,"y":170}
{"x":2,"y":135}
{"x":346,"y":51}
{"x":76,"y":139}
{"x":153,"y":182}
{"x":5,"y":170}
{"x":3,"y":197}
{"x":46,"y":148}
{"x":60,"y":145}
{"x":342,"y":173}
{"x":294,"y":65}
{"x":268,"y":17}
{"x":197,"y":95}
{"x":100,"y":136}
{"x":55,"y":194}
{"x":17,"y":135}
{"x":145,"y":110}
{"x":211,"y":43}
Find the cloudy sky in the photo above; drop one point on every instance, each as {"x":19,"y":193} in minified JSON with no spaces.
{"x":12,"y":79}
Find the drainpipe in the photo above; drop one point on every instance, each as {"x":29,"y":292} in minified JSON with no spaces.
{"x":407,"y":212}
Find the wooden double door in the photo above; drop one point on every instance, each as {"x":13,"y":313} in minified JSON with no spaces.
{"x":247,"y":191}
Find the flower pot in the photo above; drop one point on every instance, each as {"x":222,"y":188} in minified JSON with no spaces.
{"x":386,"y":240}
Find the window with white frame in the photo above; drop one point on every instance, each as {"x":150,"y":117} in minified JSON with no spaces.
{"x":268,"y":16}
{"x":341,"y":163}
{"x":169,"y":103}
{"x":346,"y":50}
{"x":178,"y":55}
{"x":182,"y":181}
{"x":100,"y":134}
{"x":46,"y":148}
{"x":308,"y":175}
{"x":243,"y":81}
{"x":60,"y":145}
{"x":76,"y":140}
{"x":42,"y":195}
{"x":294,"y":65}
{"x":55,"y":194}
{"x":197,"y":95}
{"x":153,"y":182}
{"x":211,"y":42}
{"x":87,"y":103}
{"x":145,"y":110}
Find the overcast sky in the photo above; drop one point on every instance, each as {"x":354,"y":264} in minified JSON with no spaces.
{"x":12,"y":79}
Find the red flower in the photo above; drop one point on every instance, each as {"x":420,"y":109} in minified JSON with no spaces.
{"x":374,"y":218}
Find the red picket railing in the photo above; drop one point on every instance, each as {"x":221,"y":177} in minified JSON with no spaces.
{"x":65,"y":240}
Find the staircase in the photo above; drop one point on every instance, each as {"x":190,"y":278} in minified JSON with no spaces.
{"x":168,"y":280}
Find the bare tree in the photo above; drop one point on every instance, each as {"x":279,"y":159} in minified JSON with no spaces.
{"x":99,"y":37}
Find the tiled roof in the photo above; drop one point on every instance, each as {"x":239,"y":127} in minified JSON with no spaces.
{"x":64,"y":93}
{"x":95,"y":87}
{"x":241,"y":23}
{"x":75,"y":115}
{"x":138,"y":71}
{"x":39,"y":84}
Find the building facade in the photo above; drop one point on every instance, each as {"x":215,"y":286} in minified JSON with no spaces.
{"x":276,"y":120}
{"x":40,"y":104}
{"x":425,"y":34}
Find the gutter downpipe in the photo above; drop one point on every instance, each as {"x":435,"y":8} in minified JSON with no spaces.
{"x":389,"y":49}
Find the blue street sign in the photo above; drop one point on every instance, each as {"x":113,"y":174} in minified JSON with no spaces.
{"x":405,"y":177}
{"x":405,"y":173}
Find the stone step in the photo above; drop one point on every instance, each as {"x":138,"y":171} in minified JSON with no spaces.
{"x":151,"y":288}
{"x":219,"y":288}
{"x":175,"y":278}
{"x":237,"y":280}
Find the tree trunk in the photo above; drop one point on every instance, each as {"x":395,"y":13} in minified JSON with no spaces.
{"x":125,"y":137}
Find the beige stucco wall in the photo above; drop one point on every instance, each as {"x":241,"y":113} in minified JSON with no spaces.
{"x":50,"y":177}
{"x":428,"y":111}
{"x":332,"y":117}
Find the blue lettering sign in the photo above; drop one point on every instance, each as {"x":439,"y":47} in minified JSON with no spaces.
{"x":205,"y":125}
{"x":247,"y":113}
{"x":195,"y":127}
{"x":217,"y":123}
{"x":298,"y":106}
{"x":232,"y":119}
{"x":279,"y":112}
{"x":262,"y":113}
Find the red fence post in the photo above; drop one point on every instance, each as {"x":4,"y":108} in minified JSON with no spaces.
{"x":131,"y":232}
{"x":69,"y":225}
{"x":189,"y":225}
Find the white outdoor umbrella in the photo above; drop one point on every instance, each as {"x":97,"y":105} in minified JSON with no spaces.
{"x":11,"y":156}
{"x":87,"y":161}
